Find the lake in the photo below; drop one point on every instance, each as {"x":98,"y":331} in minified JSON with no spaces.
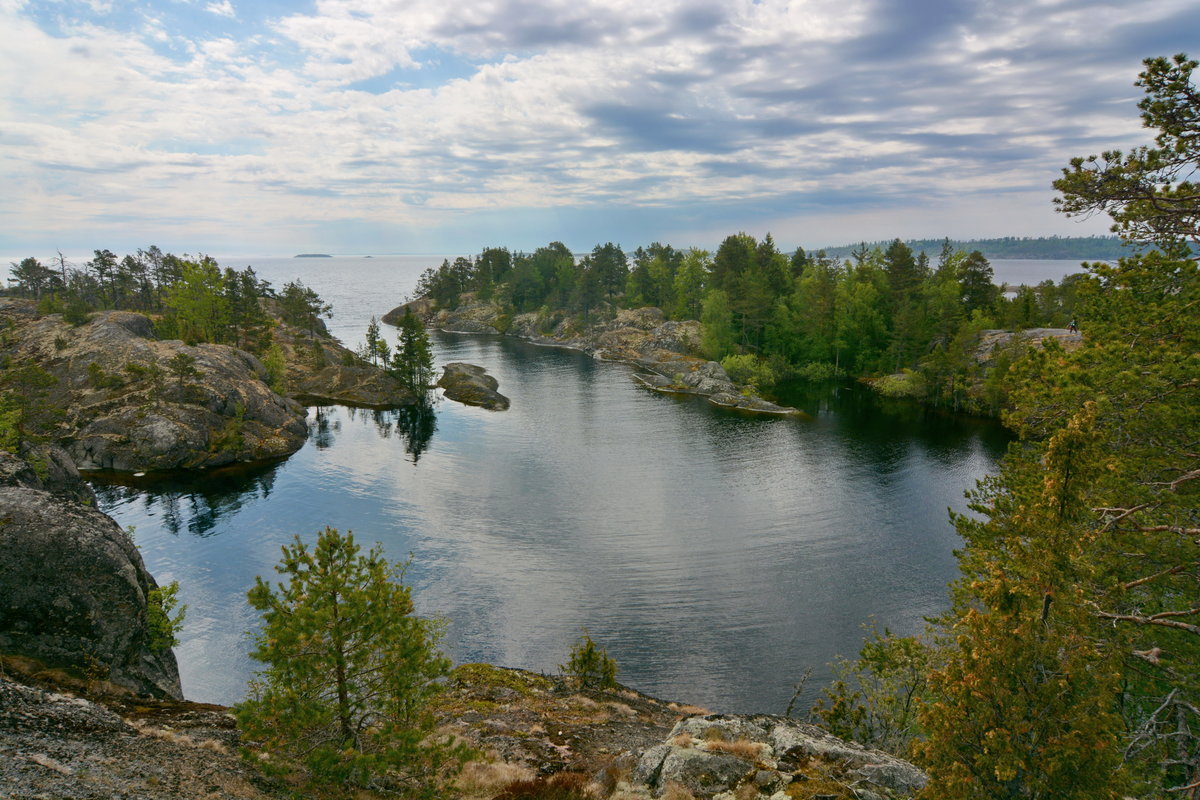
{"x":716,"y":556}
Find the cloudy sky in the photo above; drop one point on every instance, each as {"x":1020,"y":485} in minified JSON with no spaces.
{"x":393,"y":126}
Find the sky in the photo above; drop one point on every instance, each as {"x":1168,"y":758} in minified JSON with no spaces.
{"x":427,"y":126}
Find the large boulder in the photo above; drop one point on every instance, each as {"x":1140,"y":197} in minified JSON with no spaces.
{"x":73,"y":588}
{"x":470,"y":384}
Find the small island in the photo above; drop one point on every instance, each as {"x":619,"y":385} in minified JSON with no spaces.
{"x":312,"y":255}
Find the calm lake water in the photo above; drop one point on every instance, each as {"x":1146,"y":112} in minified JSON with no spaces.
{"x":716,"y":556}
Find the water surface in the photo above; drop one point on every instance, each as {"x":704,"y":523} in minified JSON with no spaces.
{"x":716,"y":556}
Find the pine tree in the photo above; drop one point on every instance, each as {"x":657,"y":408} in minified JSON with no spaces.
{"x":412,"y":361}
{"x":349,"y":673}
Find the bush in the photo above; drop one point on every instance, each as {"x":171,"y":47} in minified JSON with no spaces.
{"x":904,"y":384}
{"x":819,"y":371}
{"x":748,"y":369}
{"x":561,"y":786}
{"x":590,"y":665}
{"x":163,"y":627}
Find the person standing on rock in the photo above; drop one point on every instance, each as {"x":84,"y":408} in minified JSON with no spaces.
{"x":1073,"y":328}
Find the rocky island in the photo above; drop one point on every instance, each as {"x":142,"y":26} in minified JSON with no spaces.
{"x":471,"y":385}
{"x":662,"y":351}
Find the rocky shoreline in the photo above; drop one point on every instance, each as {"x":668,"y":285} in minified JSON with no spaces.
{"x":64,"y":739}
{"x":91,"y":706}
{"x":662,"y":351}
{"x":127,"y":401}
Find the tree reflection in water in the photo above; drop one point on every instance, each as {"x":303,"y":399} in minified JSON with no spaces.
{"x":192,"y":500}
{"x":414,"y":424}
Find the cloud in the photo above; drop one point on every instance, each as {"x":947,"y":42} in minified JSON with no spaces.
{"x":417,"y":114}
{"x":221,"y":9}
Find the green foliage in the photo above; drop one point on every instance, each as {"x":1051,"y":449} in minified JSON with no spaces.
{"x":77,"y":311}
{"x":590,"y":665}
{"x":818,"y":372}
{"x":906,"y":383}
{"x":230,"y":439}
{"x":98,"y":378}
{"x":750,"y":370}
{"x":1150,"y":192}
{"x":302,"y":307}
{"x":412,"y":362}
{"x":182,"y":366}
{"x":152,"y":373}
{"x":874,"y":699}
{"x":164,"y":616}
{"x":28,"y":408}
{"x":1073,"y":644}
{"x":276,"y":367}
{"x":349,"y":672}
{"x":716,"y":320}
{"x":196,"y":303}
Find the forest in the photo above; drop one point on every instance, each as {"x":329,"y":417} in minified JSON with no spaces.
{"x":770,"y":316}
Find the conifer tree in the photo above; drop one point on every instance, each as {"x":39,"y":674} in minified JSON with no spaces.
{"x":349,"y":672}
{"x":412,"y":360}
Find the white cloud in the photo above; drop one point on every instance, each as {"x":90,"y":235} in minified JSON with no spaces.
{"x":520,"y":104}
{"x":221,"y":9}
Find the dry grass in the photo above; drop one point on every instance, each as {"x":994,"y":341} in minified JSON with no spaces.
{"x":167,"y":735}
{"x":483,"y":780}
{"x":621,"y":708}
{"x":561,"y":786}
{"x":677,"y":791}
{"x":690,"y":711}
{"x":742,"y":748}
{"x":681,"y":740}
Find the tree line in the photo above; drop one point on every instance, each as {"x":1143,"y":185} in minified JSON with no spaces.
{"x":771,"y":316}
{"x":193,"y":299}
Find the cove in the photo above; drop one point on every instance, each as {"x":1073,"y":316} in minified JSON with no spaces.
{"x":716,"y":556}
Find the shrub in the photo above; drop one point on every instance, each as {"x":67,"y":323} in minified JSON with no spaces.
{"x":162,"y":625}
{"x":904,"y":384}
{"x":276,"y":368}
{"x":590,"y":665}
{"x":99,"y":379}
{"x":748,"y":369}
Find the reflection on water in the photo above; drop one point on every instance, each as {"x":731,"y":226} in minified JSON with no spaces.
{"x":715,"y":555}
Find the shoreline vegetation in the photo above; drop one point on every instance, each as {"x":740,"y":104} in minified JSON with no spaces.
{"x":156,"y":362}
{"x":939,"y":332}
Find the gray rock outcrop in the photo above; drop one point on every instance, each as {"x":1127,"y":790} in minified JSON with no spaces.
{"x":718,"y":755}
{"x":124,"y":409}
{"x":991,"y":341}
{"x":470,"y":384}
{"x":73,"y":588}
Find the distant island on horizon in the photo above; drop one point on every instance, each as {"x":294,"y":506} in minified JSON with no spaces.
{"x":1099,"y":248}
{"x":312,"y":255}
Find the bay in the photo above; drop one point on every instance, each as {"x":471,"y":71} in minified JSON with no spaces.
{"x":716,"y":556}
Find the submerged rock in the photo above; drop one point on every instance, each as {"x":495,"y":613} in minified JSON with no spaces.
{"x":470,"y":384}
{"x":73,"y":588}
